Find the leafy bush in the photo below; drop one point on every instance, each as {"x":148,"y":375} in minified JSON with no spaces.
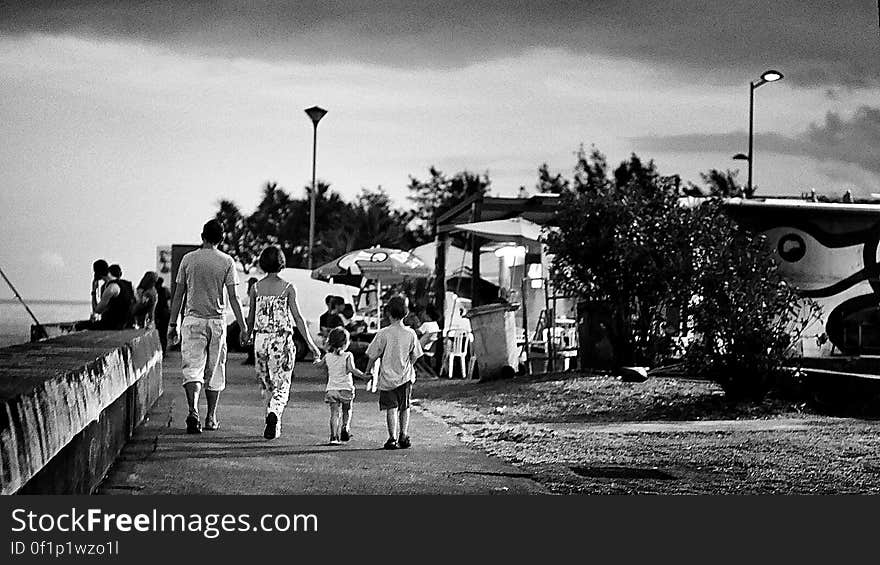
{"x":664,"y":268}
{"x":745,"y":318}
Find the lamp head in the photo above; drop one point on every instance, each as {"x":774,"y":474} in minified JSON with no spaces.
{"x":767,"y":76}
{"x":316,"y":113}
{"x":740,"y":157}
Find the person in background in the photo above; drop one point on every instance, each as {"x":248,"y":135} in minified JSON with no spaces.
{"x":414,"y":318}
{"x":250,"y":360}
{"x":331,"y":319}
{"x":127,"y":294}
{"x":100,"y":270}
{"x":273,"y":313}
{"x":163,"y":312}
{"x":429,"y":329}
{"x":146,"y":300}
{"x":346,"y":313}
{"x":398,"y":348}
{"x":206,"y":280}
{"x":114,"y":307}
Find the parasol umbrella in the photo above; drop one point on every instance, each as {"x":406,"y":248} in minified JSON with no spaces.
{"x":381,"y":264}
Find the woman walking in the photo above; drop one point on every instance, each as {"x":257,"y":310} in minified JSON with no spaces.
{"x":273,"y":312}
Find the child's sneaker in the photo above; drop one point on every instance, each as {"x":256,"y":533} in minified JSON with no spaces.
{"x":344,"y":435}
{"x":404,"y":442}
{"x":271,"y":431}
{"x":390,"y":444}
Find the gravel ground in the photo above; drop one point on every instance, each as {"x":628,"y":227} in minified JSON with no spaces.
{"x":598,"y":435}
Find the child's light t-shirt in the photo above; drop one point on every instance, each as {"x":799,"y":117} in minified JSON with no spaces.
{"x":398,"y":348}
{"x":338,"y":375}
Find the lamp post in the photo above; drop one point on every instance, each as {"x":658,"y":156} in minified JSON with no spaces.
{"x":315,"y":113}
{"x":767,"y":76}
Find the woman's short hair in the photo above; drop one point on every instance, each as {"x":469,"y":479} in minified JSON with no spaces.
{"x":272,"y":259}
{"x":337,"y":338}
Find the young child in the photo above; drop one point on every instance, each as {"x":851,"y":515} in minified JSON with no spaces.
{"x":340,"y":387}
{"x":398,"y":348}
{"x":274,"y":310}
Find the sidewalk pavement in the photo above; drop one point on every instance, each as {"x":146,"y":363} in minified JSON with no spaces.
{"x":162,"y":458}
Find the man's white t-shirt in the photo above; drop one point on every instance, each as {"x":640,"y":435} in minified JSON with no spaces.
{"x":206,"y":273}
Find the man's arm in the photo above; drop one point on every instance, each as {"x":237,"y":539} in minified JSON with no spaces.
{"x":177,"y":303}
{"x":110,"y":291}
{"x":236,"y":308}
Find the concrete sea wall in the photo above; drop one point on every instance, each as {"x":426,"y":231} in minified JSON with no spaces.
{"x":69,"y":404}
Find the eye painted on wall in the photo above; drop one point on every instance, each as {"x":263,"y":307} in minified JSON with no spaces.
{"x":791,"y":247}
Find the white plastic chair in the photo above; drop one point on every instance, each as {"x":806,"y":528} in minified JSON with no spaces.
{"x":457,"y":347}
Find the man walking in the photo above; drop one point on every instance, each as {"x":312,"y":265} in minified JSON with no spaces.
{"x":205,"y":278}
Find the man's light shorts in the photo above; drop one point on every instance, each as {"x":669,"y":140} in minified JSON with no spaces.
{"x":203,"y":349}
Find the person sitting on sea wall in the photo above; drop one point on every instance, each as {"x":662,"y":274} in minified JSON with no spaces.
{"x":114,"y":307}
{"x":147,"y":298}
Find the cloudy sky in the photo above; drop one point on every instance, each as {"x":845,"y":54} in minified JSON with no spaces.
{"x":123,"y":123}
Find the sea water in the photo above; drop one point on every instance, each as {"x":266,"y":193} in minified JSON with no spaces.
{"x":15,"y":322}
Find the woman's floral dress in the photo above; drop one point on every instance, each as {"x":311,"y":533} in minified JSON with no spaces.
{"x":274,"y":349}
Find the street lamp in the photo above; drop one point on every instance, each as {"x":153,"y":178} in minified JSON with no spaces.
{"x":315,"y":113}
{"x":768,"y":76}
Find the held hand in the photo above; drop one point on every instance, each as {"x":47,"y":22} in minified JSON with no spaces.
{"x":173,"y":335}
{"x":245,"y":339}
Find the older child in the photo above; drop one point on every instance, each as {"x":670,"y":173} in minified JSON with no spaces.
{"x":398,"y":348}
{"x":340,"y":386}
{"x":273,"y":311}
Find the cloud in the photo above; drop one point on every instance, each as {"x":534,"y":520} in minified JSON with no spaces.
{"x":814,"y":42}
{"x":52,"y":260}
{"x":849,"y":141}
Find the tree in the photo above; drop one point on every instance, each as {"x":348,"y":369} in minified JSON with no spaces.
{"x":438,"y":194}
{"x":550,"y":184}
{"x":621,"y":241}
{"x":340,"y":226}
{"x":746,"y":318}
{"x":379,"y":223}
{"x":239,"y":241}
{"x":723,"y":184}
{"x":626,"y":241}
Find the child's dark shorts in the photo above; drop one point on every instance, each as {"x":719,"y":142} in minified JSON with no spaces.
{"x":399,"y":397}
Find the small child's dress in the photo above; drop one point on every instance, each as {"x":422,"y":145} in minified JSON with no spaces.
{"x":274,"y":349}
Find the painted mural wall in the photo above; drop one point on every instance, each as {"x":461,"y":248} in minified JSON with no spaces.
{"x":830,"y":253}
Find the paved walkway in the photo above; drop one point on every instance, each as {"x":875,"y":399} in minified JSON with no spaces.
{"x":163,"y":459}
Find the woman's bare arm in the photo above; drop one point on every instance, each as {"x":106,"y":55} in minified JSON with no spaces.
{"x":293,"y":304}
